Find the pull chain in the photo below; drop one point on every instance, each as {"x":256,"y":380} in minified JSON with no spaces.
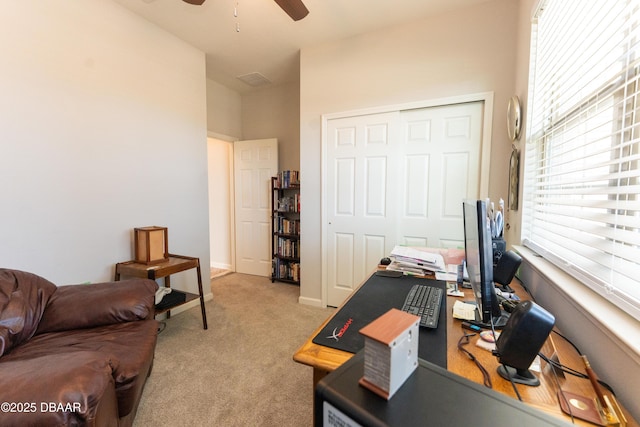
{"x":235,"y":14}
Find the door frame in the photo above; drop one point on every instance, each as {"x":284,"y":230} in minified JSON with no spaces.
{"x":232,"y":201}
{"x":485,"y":154}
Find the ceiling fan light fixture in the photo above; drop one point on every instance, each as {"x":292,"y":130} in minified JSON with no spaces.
{"x":194,"y":2}
{"x":294,"y":8}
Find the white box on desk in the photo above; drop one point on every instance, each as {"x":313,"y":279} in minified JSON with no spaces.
{"x":390,"y":351}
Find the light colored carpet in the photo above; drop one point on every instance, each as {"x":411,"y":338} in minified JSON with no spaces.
{"x":240,"y":371}
{"x":219,"y":272}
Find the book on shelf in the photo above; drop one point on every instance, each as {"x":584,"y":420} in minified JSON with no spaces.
{"x":283,"y":225}
{"x":288,"y":179}
{"x":286,"y":270}
{"x":287,"y":248}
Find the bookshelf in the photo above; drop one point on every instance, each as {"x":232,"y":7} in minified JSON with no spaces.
{"x":285,"y":238}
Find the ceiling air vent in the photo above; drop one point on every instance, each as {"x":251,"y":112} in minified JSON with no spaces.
{"x":254,"y":79}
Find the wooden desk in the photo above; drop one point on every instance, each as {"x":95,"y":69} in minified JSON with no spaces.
{"x":544,"y":397}
{"x":175,"y":264}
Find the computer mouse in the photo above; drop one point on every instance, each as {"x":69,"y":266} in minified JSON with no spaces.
{"x":385,"y":261}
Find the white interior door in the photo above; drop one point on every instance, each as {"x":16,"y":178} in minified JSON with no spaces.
{"x":440,"y":166}
{"x":396,"y":178}
{"x":361,"y":197}
{"x":255,"y":162}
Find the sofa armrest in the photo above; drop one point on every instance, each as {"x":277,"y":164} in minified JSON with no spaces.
{"x":67,"y":389}
{"x":87,"y":306}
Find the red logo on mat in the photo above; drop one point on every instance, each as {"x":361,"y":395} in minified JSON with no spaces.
{"x":337,"y":334}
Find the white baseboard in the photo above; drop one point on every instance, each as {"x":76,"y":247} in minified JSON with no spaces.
{"x":221,"y":265}
{"x":310,"y":301}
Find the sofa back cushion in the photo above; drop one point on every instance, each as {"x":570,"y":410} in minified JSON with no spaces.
{"x":23,"y":298}
{"x":97,"y":304}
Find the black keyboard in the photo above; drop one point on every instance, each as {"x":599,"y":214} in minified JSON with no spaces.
{"x":424,"y":301}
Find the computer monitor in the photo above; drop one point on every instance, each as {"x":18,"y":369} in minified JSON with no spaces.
{"x":479,"y":259}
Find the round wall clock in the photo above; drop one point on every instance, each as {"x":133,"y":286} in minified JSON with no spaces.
{"x":514,"y":118}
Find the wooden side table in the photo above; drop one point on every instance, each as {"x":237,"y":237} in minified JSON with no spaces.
{"x":175,"y":264}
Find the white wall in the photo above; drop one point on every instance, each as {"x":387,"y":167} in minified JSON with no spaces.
{"x":224,"y":111}
{"x":466,"y":52}
{"x":274,"y":112}
{"x":102,"y":129}
{"x":523,"y":38}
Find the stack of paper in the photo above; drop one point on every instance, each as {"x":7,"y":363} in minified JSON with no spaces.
{"x":464,"y":311}
{"x":415,"y":261}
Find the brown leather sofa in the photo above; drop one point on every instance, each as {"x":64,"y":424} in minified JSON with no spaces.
{"x":74,"y":355}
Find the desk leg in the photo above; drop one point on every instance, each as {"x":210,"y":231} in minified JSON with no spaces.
{"x":204,"y":314}
{"x":318,"y":374}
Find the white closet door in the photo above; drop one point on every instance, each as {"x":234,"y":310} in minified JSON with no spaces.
{"x":396,"y":178}
{"x":361,"y":198}
{"x":440,"y":167}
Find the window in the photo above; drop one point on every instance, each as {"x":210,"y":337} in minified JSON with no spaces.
{"x":581,"y":185}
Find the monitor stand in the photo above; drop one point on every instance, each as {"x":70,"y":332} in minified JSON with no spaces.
{"x":520,"y":376}
{"x":504,"y":288}
{"x":498,"y":323}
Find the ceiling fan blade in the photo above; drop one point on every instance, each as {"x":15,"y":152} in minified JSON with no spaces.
{"x":195,"y":2}
{"x":294,"y":8}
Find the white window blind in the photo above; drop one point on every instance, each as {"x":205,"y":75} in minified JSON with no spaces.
{"x":581,"y":188}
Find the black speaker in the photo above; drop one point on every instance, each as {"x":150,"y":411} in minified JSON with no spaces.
{"x":528,"y":327}
{"x":506,"y":268}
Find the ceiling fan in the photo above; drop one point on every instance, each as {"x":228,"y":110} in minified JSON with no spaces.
{"x":294,"y":8}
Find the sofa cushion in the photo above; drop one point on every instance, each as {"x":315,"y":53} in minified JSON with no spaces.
{"x":128,"y":347}
{"x":23,"y":297}
{"x":71,"y":388}
{"x":88,"y":306}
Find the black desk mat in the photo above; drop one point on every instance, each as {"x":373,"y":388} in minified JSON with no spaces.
{"x":374,"y":298}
